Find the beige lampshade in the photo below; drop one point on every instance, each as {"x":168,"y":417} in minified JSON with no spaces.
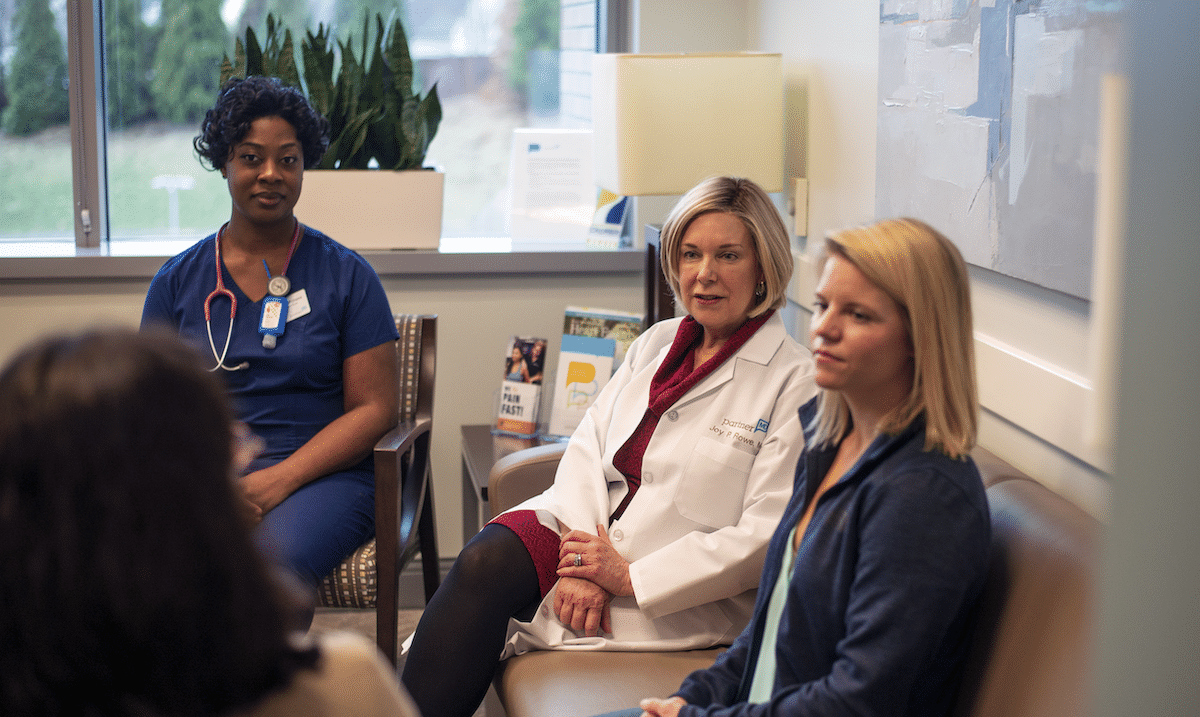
{"x":662,"y":123}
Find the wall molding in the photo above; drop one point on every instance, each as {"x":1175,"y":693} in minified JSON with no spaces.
{"x":1045,"y":400}
{"x":1053,"y":403}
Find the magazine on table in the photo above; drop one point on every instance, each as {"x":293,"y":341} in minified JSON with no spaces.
{"x":620,"y":326}
{"x":593,"y":344}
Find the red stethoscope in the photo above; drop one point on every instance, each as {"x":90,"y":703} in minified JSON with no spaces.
{"x":276,"y":286}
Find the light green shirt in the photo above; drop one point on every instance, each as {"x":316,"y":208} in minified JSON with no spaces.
{"x":764,"y":669}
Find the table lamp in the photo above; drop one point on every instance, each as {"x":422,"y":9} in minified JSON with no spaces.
{"x":662,"y":123}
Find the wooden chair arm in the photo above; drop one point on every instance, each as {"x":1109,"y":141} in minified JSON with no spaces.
{"x":401,"y":476}
{"x":400,"y":439}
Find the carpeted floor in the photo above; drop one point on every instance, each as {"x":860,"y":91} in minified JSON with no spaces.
{"x":361,"y":621}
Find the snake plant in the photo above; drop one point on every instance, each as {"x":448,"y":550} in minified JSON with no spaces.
{"x":375,"y":116}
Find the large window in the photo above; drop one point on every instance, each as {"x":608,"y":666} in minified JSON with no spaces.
{"x":130,"y":169}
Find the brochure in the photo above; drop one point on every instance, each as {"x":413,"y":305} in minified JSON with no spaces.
{"x":609,"y":220}
{"x":594,"y":343}
{"x":521,"y":387}
{"x":584,"y":367}
{"x":553,"y":190}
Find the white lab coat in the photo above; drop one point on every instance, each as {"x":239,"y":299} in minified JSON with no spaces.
{"x":716,"y":477}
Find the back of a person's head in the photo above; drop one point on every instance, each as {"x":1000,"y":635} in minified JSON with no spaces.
{"x":131,"y":583}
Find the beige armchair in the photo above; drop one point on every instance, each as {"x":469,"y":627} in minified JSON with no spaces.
{"x":574,"y":684}
{"x":1030,"y":654}
{"x":522,"y":475}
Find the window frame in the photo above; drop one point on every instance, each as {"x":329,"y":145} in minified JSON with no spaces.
{"x":87,"y":127}
{"x":86,"y":67}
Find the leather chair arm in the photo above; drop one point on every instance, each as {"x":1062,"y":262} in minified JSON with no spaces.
{"x":522,"y":475}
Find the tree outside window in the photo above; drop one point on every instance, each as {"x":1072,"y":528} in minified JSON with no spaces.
{"x":37,"y":81}
{"x":495,"y":63}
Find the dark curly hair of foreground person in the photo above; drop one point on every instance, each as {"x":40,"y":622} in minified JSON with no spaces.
{"x":243,"y":100}
{"x":132,"y":585}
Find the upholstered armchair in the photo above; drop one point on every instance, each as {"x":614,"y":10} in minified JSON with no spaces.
{"x":404,"y":523}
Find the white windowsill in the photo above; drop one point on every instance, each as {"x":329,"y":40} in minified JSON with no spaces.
{"x":40,"y":261}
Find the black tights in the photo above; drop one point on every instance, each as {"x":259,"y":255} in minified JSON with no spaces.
{"x":456,"y":648}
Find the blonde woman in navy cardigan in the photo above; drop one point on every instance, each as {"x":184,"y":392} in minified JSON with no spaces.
{"x":870,"y":582}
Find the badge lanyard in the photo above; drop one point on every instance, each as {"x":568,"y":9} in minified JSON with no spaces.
{"x":274,"y":309}
{"x":274,"y":316}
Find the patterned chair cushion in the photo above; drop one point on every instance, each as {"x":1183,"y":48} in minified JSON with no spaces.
{"x":353,"y":583}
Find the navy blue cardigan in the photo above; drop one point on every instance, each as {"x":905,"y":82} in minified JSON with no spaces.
{"x":882,"y":599}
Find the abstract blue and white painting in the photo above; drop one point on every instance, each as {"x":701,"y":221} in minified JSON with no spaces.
{"x":988,"y":127}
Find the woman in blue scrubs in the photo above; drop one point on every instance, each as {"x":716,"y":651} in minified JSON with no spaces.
{"x":297,"y":325}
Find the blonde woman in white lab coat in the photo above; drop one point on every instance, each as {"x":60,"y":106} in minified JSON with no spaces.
{"x":654,"y":532}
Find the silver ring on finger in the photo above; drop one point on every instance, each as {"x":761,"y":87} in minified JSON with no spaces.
{"x":578,"y":560}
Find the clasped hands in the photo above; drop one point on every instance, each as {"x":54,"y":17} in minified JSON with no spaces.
{"x":584,"y":592}
{"x":260,"y":490}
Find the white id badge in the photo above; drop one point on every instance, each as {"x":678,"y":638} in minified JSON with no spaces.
{"x":298,"y":305}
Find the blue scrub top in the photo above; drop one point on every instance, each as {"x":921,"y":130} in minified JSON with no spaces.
{"x":288,"y":393}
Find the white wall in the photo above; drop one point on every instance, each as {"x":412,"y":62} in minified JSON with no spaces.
{"x":1149,"y":644}
{"x":1032,"y":344}
{"x":831,"y":67}
{"x":476,"y":316}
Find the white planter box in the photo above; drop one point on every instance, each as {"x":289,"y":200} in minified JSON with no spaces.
{"x":372,"y":209}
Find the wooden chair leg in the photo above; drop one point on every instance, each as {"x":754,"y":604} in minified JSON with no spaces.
{"x":387,"y":558}
{"x":387,"y":620}
{"x":427,"y":537}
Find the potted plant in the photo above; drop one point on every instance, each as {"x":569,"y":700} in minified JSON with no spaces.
{"x":380,"y":130}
